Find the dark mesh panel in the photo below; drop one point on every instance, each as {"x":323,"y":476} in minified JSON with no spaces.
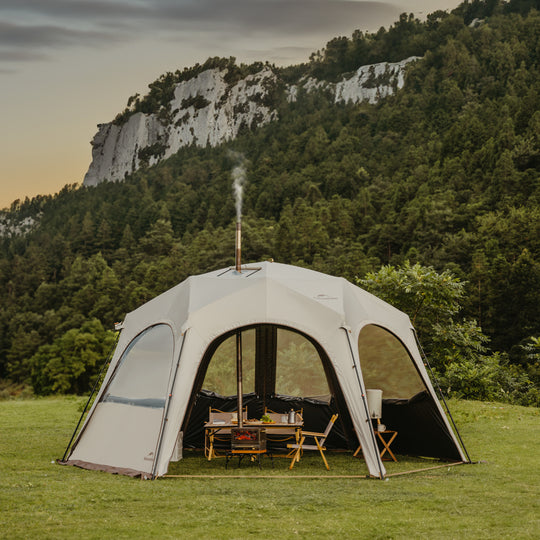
{"x":421,"y":430}
{"x":316,"y":416}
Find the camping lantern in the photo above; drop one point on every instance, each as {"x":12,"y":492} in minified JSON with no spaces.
{"x":374,"y":399}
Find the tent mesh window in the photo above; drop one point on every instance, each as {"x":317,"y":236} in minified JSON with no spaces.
{"x":386,"y":364}
{"x":299,"y":370}
{"x":142,"y":376}
{"x":221,"y":374}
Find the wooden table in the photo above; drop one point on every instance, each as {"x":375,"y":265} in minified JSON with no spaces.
{"x":213,"y":429}
{"x":386,"y":441}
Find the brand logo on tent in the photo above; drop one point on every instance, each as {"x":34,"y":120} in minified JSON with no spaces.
{"x":325,"y":297}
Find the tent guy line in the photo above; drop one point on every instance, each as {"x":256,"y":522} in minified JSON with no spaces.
{"x":316,"y":476}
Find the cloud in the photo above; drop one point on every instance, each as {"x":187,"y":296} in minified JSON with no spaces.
{"x":274,"y":14}
{"x":278,"y":16}
{"x":279,"y":54}
{"x":26,"y":36}
{"x":77,"y":9}
{"x":16,"y":55}
{"x":32,"y":28}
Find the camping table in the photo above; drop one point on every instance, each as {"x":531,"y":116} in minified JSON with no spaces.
{"x":212,"y":429}
{"x":386,"y":442}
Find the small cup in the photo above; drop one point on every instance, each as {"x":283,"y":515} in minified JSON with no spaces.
{"x":381,"y":427}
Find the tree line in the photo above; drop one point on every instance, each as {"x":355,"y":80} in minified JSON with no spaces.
{"x":444,"y":174}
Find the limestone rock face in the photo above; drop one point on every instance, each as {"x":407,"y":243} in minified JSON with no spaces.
{"x":373,"y":82}
{"x":10,"y":226}
{"x":207,"y":110}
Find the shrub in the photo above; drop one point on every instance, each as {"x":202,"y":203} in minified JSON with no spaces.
{"x":457,"y":350}
{"x":489,"y":378}
{"x":71,"y":363}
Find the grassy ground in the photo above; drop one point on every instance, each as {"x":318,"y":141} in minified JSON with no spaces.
{"x":497,"y":498}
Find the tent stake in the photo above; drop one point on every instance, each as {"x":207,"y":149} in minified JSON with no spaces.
{"x":107,"y":361}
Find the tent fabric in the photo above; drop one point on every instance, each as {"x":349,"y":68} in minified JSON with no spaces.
{"x":329,"y":310}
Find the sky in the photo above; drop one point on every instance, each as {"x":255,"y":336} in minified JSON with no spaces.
{"x":68,"y":65}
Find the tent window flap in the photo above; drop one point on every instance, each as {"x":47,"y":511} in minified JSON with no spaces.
{"x":124,"y":428}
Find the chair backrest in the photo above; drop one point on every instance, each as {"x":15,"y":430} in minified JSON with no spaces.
{"x":328,"y":428}
{"x":284,"y":417}
{"x":222,"y":416}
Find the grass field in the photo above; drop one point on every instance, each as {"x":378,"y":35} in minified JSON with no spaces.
{"x":497,"y":498}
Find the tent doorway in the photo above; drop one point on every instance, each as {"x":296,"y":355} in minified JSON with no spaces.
{"x":282,"y":369}
{"x":407,"y":405}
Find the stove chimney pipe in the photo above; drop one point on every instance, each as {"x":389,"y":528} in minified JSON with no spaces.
{"x":239,"y":385}
{"x":238,"y":246}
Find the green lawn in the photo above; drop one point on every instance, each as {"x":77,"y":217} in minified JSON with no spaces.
{"x":497,"y":498}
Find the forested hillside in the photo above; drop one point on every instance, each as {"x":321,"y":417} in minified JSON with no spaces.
{"x":444,"y":173}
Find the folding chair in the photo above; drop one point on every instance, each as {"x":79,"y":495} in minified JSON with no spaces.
{"x":319,"y":439}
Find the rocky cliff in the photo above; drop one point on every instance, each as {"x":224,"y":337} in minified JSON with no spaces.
{"x":208,"y":110}
{"x":11,"y":225}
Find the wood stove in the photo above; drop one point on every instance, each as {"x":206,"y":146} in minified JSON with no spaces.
{"x":248,"y":438}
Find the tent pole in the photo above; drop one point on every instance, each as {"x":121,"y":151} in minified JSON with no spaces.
{"x":166,"y":412}
{"x":239,"y":378}
{"x":98,"y":378}
{"x":362,"y":393}
{"x":435,"y":380}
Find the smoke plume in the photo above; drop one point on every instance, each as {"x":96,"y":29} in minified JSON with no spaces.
{"x":239,"y":181}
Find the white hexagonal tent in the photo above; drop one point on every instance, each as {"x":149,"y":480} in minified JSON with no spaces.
{"x":313,"y":341}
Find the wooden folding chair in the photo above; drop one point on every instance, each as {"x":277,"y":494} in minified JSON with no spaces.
{"x":319,"y":439}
